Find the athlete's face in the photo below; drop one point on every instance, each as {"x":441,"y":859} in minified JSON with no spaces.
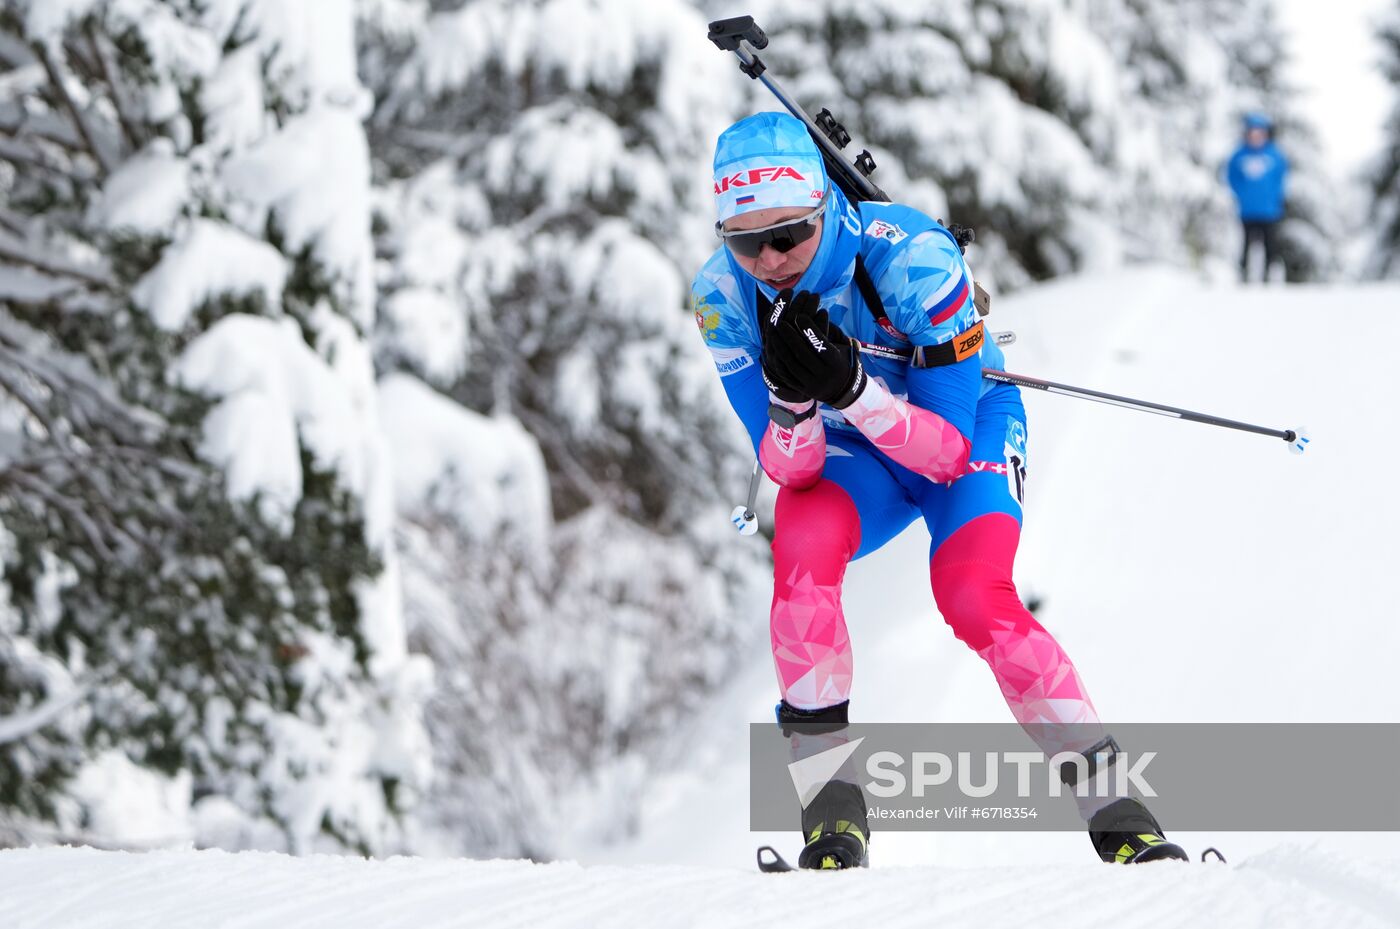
{"x":779,"y":269}
{"x":1256,"y":137}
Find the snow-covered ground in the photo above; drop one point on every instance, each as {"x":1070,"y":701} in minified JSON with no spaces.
{"x":1194,"y":574}
{"x":62,"y":888}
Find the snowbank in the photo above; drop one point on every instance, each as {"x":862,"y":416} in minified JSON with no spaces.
{"x":1284,"y":889}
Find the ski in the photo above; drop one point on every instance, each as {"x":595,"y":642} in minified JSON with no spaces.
{"x":776,"y":865}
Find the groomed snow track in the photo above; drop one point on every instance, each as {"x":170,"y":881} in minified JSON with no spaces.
{"x":80,"y":888}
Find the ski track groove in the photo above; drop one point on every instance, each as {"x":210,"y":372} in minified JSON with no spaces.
{"x":71,"y":897}
{"x":409,"y":891}
{"x":1284,"y":889}
{"x":1365,"y":893}
{"x":282,"y":898}
{"x":49,"y":916}
{"x":508,"y":887}
{"x":964,"y":894}
{"x":469,"y":897}
{"x":263,"y":900}
{"x":568,"y":896}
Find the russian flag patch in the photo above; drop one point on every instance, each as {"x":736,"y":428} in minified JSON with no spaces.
{"x":742,"y":200}
{"x":950,"y":298}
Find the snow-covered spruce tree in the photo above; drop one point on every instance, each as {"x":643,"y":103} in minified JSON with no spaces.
{"x":199,"y":603}
{"x":567,"y":556}
{"x":1384,"y":260}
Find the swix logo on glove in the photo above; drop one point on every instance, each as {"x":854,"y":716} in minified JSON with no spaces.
{"x":777,"y":312}
{"x":815,"y":339}
{"x":757,"y":176}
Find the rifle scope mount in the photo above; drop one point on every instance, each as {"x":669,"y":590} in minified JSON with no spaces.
{"x":728,"y":33}
{"x":834,"y":131}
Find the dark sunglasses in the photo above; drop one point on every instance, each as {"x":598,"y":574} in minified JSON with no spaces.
{"x":781,"y":237}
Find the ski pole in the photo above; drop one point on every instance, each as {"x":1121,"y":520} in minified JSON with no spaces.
{"x":744,"y":518}
{"x":1297,"y":439}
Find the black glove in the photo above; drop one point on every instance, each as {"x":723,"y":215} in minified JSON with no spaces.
{"x":768,"y":324}
{"x":807,"y":352}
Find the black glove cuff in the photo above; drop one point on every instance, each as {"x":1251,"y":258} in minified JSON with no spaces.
{"x":857,"y":384}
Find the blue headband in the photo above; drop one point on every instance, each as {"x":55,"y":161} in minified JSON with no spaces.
{"x":765,"y":161}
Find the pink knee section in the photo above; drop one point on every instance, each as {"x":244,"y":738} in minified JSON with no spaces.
{"x":817,"y":533}
{"x":971,"y":575}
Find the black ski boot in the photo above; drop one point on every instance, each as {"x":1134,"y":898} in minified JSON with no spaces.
{"x":834,"y":825}
{"x":835,"y":829}
{"x":1126,"y":833}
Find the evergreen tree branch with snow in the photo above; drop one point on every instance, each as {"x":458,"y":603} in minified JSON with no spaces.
{"x":194,"y":534}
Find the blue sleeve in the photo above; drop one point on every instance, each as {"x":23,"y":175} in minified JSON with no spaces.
{"x":950,"y":391}
{"x":733,"y":341}
{"x":748,"y":395}
{"x":928,"y":292}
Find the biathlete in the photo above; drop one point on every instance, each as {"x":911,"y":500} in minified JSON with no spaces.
{"x":861,"y":447}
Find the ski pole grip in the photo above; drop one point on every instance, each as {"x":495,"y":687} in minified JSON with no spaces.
{"x":728,"y":33}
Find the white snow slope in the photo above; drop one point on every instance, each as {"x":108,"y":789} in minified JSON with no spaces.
{"x":62,"y":888}
{"x":1246,"y":583}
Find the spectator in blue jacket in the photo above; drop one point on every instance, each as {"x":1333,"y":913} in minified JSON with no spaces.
{"x":1257,"y":172}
